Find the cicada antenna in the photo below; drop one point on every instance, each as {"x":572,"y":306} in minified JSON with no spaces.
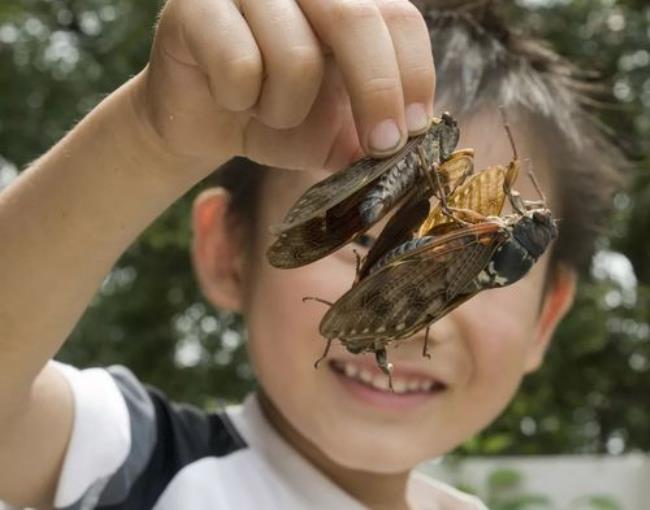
{"x":506,"y":125}
{"x":317,"y":299}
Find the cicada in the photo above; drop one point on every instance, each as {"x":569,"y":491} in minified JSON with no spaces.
{"x":416,"y":211}
{"x":437,"y":264}
{"x":343,"y":206}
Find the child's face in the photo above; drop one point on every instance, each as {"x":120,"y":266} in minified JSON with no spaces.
{"x":479,"y":352}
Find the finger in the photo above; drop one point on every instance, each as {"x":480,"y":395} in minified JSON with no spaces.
{"x":362,"y":47}
{"x":412,"y":44}
{"x":293,"y":61}
{"x":326,"y":139}
{"x":220,"y":41}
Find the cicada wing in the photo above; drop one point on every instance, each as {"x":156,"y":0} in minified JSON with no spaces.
{"x":415,"y":289}
{"x":400,"y":228}
{"x":339,"y":186}
{"x":317,"y":237}
{"x":456,"y":170}
{"x":482,"y":192}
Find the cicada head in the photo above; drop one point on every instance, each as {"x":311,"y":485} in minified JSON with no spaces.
{"x":530,"y":235}
{"x":441,"y":139}
{"x":535,"y":231}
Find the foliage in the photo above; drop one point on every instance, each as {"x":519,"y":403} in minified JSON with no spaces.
{"x":505,"y":489}
{"x":58,"y":58}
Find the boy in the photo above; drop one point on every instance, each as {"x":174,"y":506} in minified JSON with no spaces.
{"x":310,"y":85}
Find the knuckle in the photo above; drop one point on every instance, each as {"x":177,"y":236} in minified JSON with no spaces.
{"x":281,"y":116}
{"x":421,"y":75}
{"x":301,"y":63}
{"x":381,"y":88}
{"x":352,"y":11}
{"x":243,"y":69}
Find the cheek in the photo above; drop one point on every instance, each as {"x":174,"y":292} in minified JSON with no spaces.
{"x":500,"y":328}
{"x":284,"y":341}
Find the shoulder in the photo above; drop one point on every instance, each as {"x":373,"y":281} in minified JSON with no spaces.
{"x":129,"y":440}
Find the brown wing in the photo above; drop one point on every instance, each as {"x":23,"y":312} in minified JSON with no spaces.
{"x":483,"y":193}
{"x":415,"y":289}
{"x":318,"y":236}
{"x":339,"y":186}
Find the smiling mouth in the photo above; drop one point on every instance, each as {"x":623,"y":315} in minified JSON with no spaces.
{"x":377,"y":381}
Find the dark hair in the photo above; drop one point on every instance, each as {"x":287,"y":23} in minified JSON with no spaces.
{"x":481,"y":61}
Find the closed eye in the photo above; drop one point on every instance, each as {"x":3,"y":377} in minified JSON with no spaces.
{"x":365,"y":241}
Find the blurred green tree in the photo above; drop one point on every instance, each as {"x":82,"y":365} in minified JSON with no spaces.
{"x":59,"y":57}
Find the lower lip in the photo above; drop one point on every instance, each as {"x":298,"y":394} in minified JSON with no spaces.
{"x":384,"y":399}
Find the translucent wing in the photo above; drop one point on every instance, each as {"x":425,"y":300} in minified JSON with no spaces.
{"x":483,"y":193}
{"x":456,"y":170}
{"x":415,"y":289}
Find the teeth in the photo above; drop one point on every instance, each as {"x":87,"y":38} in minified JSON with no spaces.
{"x":365,"y":375}
{"x":380,"y":381}
{"x":399,"y":385}
{"x":350,"y":370}
{"x":426,"y":385}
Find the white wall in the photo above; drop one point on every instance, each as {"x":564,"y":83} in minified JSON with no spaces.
{"x":563,"y":478}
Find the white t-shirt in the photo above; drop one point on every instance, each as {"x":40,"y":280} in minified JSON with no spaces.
{"x":131,"y":448}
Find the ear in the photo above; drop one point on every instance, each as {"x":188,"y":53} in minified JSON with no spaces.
{"x":556,"y":303}
{"x":216,"y":250}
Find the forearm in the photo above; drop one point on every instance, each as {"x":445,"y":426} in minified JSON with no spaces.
{"x":66,"y":220}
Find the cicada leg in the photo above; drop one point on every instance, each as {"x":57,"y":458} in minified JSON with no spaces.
{"x":469,"y":216}
{"x":434,"y":181}
{"x":382,"y":361}
{"x":425,"y":348}
{"x":538,"y":188}
{"x":327,"y":350}
{"x":438,"y":190}
{"x":359,"y":261}
{"x":517,"y":202}
{"x":533,"y":204}
{"x":317,"y":299}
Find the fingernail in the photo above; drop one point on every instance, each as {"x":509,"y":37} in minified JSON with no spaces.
{"x":416,"y":117}
{"x":385,"y":136}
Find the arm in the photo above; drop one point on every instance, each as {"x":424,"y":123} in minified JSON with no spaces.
{"x":63,"y":223}
{"x":206,"y":96}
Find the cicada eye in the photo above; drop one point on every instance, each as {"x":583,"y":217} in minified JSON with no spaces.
{"x":541,"y":217}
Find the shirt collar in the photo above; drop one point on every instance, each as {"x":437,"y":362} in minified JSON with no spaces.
{"x":311,"y":488}
{"x":314,"y":490}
